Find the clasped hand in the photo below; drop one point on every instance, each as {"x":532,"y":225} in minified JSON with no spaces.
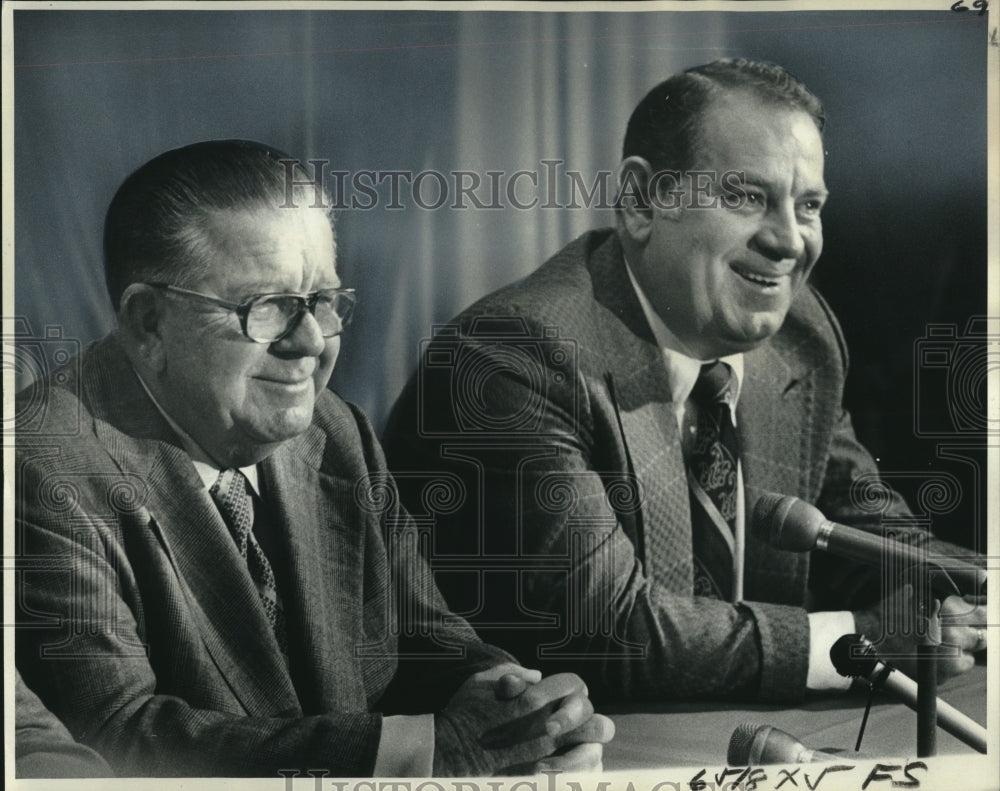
{"x":510,"y":720}
{"x":958,"y":626}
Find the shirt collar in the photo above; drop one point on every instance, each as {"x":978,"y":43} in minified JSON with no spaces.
{"x":206,"y":468}
{"x":682,"y":370}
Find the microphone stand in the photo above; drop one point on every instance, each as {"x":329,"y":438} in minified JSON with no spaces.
{"x":927,"y":658}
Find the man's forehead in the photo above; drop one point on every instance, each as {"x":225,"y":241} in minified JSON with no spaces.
{"x":258,"y":231}
{"x":739,"y":125}
{"x":266,"y":248}
{"x":275,"y":221}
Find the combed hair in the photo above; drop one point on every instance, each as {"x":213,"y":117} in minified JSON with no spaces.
{"x":664,"y":127}
{"x":155,"y":226}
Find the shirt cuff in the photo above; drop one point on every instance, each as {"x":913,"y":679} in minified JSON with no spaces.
{"x":825,"y":628}
{"x":406,"y":747}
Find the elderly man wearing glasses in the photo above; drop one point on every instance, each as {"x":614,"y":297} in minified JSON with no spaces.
{"x":216,"y":576}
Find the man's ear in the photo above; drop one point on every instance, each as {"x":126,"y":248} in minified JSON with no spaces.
{"x":634,"y":212}
{"x":140,"y":317}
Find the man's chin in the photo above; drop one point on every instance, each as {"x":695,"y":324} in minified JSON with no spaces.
{"x":279,"y":427}
{"x":749,"y":335}
{"x":290,"y":425}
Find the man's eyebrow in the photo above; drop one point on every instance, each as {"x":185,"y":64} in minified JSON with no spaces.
{"x":749,"y":175}
{"x":760,"y":180}
{"x":250,"y":291}
{"x":264,"y":287}
{"x":817,"y":192}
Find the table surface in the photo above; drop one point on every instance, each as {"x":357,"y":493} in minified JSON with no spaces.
{"x":688,"y":734}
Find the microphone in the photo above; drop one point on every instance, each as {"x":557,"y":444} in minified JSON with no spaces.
{"x":786,"y":522}
{"x":854,"y":656}
{"x":753,"y":744}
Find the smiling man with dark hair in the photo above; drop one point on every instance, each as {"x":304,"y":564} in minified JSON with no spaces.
{"x":613,"y":415}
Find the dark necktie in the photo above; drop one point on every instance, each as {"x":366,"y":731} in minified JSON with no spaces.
{"x":713,"y":481}
{"x":233,"y":496}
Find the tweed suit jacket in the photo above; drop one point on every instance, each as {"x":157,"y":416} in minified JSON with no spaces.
{"x":549,"y":401}
{"x":43,"y":746}
{"x":140,"y":627}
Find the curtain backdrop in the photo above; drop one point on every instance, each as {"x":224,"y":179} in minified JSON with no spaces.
{"x":97,"y":93}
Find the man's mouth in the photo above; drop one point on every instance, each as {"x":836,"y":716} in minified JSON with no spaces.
{"x":285,"y":382}
{"x":754,"y":278}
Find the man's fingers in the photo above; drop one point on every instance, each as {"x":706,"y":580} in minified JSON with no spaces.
{"x":970,"y":639}
{"x":963,"y":623}
{"x":957,"y":610}
{"x":550,"y":690}
{"x":954,"y":665}
{"x":509,"y":686}
{"x":573,"y":712}
{"x":530,"y":675}
{"x":508,"y":668}
{"x":598,"y":728}
{"x":582,"y":758}
{"x":566,"y":695}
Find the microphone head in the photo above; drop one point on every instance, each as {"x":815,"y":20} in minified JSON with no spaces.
{"x":741,"y":742}
{"x":786,"y":522}
{"x":753,"y":744}
{"x":854,"y":656}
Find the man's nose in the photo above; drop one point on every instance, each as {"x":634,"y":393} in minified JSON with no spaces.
{"x":306,"y":339}
{"x":779,"y":237}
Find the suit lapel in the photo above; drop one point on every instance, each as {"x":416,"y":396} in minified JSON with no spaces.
{"x":322,"y":531}
{"x":774,"y":412}
{"x":653,"y":446}
{"x":220,"y":597}
{"x":774,"y":423}
{"x":641,"y":396}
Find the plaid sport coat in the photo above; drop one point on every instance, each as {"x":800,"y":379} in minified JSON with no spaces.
{"x":140,"y":627}
{"x":548,"y":399}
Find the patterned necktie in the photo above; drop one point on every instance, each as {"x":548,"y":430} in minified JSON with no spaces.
{"x":713,"y":482}
{"x":232,"y":494}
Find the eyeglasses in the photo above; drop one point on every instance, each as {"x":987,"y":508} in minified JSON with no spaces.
{"x":266,"y":318}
